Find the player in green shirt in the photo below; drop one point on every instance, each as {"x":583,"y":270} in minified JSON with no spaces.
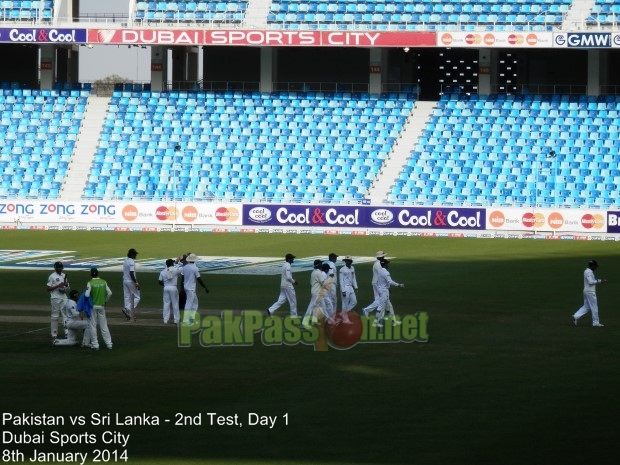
{"x":100,"y":293}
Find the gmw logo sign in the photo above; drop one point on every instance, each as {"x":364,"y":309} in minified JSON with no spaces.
{"x":585,"y":40}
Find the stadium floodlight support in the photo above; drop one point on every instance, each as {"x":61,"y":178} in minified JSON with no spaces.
{"x":534,"y":21}
{"x":552,"y":155}
{"x":176,"y":170}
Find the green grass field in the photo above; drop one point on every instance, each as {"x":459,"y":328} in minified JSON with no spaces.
{"x":505,"y":377}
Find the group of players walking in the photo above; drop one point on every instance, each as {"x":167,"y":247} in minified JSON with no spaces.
{"x":324,"y":282}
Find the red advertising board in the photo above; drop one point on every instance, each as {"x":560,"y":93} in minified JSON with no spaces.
{"x":262,"y":38}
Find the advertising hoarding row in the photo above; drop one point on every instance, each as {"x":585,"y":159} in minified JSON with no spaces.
{"x":309,"y":217}
{"x":296,"y":38}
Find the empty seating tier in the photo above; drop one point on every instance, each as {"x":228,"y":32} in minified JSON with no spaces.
{"x":516,"y":150}
{"x":38,"y":130}
{"x":306,"y":147}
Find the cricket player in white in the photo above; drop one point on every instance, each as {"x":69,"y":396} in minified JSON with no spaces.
{"x":131,"y":287}
{"x":332,"y":296}
{"x":168,"y":278}
{"x":57,"y":286}
{"x":383,"y":285}
{"x":74,"y":324}
{"x":287,"y":289}
{"x":376,"y":269}
{"x":348,"y":284}
{"x":317,"y":279}
{"x":590,"y":303}
{"x":191,"y":276}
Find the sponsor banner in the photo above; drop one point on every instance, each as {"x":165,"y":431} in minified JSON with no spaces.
{"x":302,"y":215}
{"x":495,"y":39}
{"x":41,"y":211}
{"x":586,"y":40}
{"x":613,"y":222}
{"x":427,"y":218}
{"x":261,"y":38}
{"x":547,"y":219}
{"x":363,"y":216}
{"x":22,"y":35}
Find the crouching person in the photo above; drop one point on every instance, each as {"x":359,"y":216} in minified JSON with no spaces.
{"x":74,"y":324}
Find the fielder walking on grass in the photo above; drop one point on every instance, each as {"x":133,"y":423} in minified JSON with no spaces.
{"x":383,"y":286}
{"x":317,"y":278}
{"x":348,"y":285}
{"x":332,"y":297}
{"x":287,"y":289}
{"x":57,"y":286}
{"x":590,"y":303}
{"x":98,"y":290}
{"x":376,"y":269}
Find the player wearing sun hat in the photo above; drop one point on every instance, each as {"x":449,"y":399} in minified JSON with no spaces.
{"x":383,"y":285}
{"x":57,"y":286}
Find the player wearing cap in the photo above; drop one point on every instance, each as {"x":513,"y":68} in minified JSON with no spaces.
{"x":383,"y":286}
{"x":168,"y":279}
{"x":287,"y":289}
{"x":131,"y":287}
{"x":191,"y":276}
{"x":590,"y":303}
{"x":376,"y":269}
{"x":74,"y":324}
{"x":97,"y":289}
{"x":57,"y":286}
{"x":348,"y":285}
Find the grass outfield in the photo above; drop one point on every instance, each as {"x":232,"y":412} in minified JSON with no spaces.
{"x":505,"y":377}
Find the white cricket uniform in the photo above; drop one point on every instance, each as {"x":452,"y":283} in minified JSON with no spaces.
{"x":170,"y":277}
{"x":190,"y":274}
{"x":287,"y":291}
{"x":333,"y":294}
{"x":383,"y":286}
{"x":130,"y":290}
{"x":348,"y":286}
{"x":73,"y":326}
{"x":57,"y":300}
{"x":317,"y":280}
{"x":376,"y":269}
{"x":590,"y":303}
